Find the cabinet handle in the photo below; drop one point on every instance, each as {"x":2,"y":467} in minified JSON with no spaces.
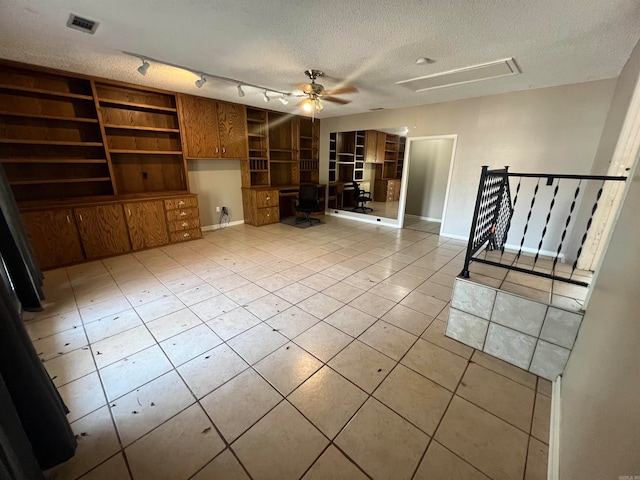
{"x":185,"y":224}
{"x":129,"y":211}
{"x":268,"y":198}
{"x":80,"y":215}
{"x":217,"y":150}
{"x":186,"y":235}
{"x":183,"y":214}
{"x":224,"y":150}
{"x":268,"y":214}
{"x":68,"y":221}
{"x":181,"y":203}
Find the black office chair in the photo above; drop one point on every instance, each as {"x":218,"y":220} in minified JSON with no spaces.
{"x":361,"y":197}
{"x":308,"y":202}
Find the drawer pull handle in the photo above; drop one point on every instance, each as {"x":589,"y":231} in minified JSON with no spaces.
{"x":185,"y":224}
{"x":268,"y":214}
{"x":268,"y":198}
{"x":129,"y":211}
{"x":181,"y":203}
{"x":80,"y":215}
{"x":186,"y":235}
{"x":224,"y":150}
{"x":217,"y":150}
{"x":183,"y":214}
{"x":68,"y":221}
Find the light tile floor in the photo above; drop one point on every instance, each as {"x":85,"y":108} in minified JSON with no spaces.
{"x":283,"y":353}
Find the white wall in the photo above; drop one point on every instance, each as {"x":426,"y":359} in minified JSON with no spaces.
{"x":217,"y":183}
{"x":429,"y":162}
{"x":549,"y":130}
{"x":600,"y":428}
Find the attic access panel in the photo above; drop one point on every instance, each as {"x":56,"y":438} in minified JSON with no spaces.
{"x":475,"y":73}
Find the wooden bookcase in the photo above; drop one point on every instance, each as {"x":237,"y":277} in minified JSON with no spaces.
{"x":309,"y":152}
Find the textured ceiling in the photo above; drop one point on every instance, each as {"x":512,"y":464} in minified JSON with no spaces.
{"x":367,"y":43}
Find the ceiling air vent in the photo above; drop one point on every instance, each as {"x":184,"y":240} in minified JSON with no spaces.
{"x":82,"y":24}
{"x":475,"y":73}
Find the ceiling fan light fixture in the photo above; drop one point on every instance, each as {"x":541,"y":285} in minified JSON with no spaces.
{"x":240,"y":91}
{"x":265,"y":97}
{"x":142,"y":69}
{"x":307,"y":105}
{"x":201,"y":81}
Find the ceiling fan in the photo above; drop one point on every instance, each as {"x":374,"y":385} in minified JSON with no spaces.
{"x":315,"y":93}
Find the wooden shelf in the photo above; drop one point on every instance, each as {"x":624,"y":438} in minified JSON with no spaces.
{"x":282,"y":161}
{"x":256,"y":120}
{"x":256,"y":135}
{"x":45,"y":181}
{"x":53,"y":160}
{"x":259,"y":171}
{"x":148,"y":152}
{"x":141,"y":128}
{"x":41,"y":91}
{"x":50,"y":142}
{"x":251,"y":157}
{"x":282,"y":150}
{"x":144,"y":106}
{"x":50,"y":117}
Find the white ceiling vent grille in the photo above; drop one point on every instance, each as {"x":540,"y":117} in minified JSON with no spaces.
{"x":475,"y":73}
{"x":82,"y":24}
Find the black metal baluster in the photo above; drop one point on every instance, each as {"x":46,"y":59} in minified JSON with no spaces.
{"x":526,"y":225}
{"x":566,"y":226}
{"x":472,"y":233}
{"x":513,"y":209}
{"x":546,"y":224}
{"x":584,"y":237}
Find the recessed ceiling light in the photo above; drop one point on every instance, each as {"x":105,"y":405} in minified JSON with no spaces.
{"x":424,"y":60}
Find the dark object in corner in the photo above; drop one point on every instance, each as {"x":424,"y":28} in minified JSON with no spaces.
{"x":361,"y":197}
{"x":308,"y":202}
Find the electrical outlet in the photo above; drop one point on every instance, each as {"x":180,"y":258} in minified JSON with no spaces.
{"x":218,"y":209}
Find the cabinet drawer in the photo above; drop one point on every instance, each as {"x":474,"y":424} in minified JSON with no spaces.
{"x":267,"y":198}
{"x":175,"y":203}
{"x":186,"y":224}
{"x":173,"y":215}
{"x":185,"y":235}
{"x":268,"y":215}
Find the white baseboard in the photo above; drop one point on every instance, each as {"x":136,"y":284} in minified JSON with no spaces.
{"x":553,"y":468}
{"x":428,"y":219}
{"x":210,"y":228}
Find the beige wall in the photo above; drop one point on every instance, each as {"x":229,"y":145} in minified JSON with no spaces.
{"x":217,"y":183}
{"x":429,"y":162}
{"x":600,"y":428}
{"x":549,"y":130}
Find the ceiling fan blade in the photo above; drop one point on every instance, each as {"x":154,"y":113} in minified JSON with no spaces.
{"x":335,"y":100}
{"x":338,"y":91}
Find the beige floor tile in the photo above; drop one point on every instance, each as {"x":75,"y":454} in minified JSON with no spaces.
{"x":527,"y":292}
{"x":328,"y":400}
{"x":82,"y":396}
{"x":104,"y":309}
{"x":382,"y":443}
{"x":351,"y":320}
{"x":239,"y":403}
{"x":214,"y":307}
{"x":323,"y":341}
{"x":150,"y":405}
{"x":343,"y":292}
{"x":503,"y":368}
{"x":71,"y":366}
{"x":267,"y":306}
{"x":177,"y":449}
{"x":531,"y":281}
{"x":407,"y":319}
{"x":257,"y":342}
{"x":228,"y":282}
{"x":158,"y":308}
{"x":173,"y":324}
{"x":441,"y":464}
{"x":435,"y":363}
{"x":233,"y":323}
{"x":424,"y":303}
{"x":295,"y":292}
{"x":544,"y":387}
{"x":320,"y":305}
{"x":372,"y":304}
{"x":52,"y":325}
{"x":391,"y":292}
{"x":148,"y":295}
{"x":246,"y":294}
{"x":281,"y":446}
{"x":274,"y":282}
{"x":211,"y":369}
{"x":388,"y":339}
{"x":443,"y":279}
{"x":541,"y":418}
{"x":363,"y":365}
{"x":112,"y":325}
{"x":224,"y":466}
{"x":333,"y":465}
{"x":499,"y":395}
{"x":113,"y":469}
{"x":184,"y":283}
{"x":189,"y":344}
{"x":60,"y":343}
{"x":416,"y":398}
{"x":435,"y":334}
{"x":404,"y":280}
{"x":537,"y":460}
{"x":97,"y":441}
{"x":436,"y":290}
{"x":287,"y":367}
{"x":493,"y":446}
{"x":289,"y":270}
{"x":318,"y":281}
{"x":197,"y":294}
{"x":292,"y":322}
{"x":129,"y":373}
{"x":122,"y":345}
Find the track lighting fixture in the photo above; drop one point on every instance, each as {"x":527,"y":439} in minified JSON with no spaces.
{"x":142,"y":69}
{"x":240,"y":91}
{"x":283,"y":99}
{"x":201,"y":81}
{"x":265,"y":97}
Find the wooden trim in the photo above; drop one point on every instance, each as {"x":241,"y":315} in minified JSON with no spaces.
{"x":103,"y":134}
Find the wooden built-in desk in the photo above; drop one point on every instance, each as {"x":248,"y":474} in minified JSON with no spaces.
{"x":266,"y":205}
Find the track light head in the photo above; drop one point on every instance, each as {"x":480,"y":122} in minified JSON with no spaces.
{"x":283,"y":99}
{"x":201,"y":81}
{"x":240,"y":91}
{"x":265,"y":97}
{"x":142,"y":69}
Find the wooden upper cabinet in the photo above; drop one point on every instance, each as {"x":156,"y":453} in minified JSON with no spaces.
{"x":232,"y":128}
{"x":54,"y":237}
{"x":147,"y":224}
{"x":213,"y":129}
{"x":375,"y":142}
{"x":103,"y":230}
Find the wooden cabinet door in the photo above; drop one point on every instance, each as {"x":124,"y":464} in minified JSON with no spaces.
{"x":147,"y":224}
{"x":54,"y":237}
{"x":199,"y":127}
{"x":232,"y":130}
{"x":103,"y":230}
{"x":371,"y":149}
{"x":382,"y":145}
